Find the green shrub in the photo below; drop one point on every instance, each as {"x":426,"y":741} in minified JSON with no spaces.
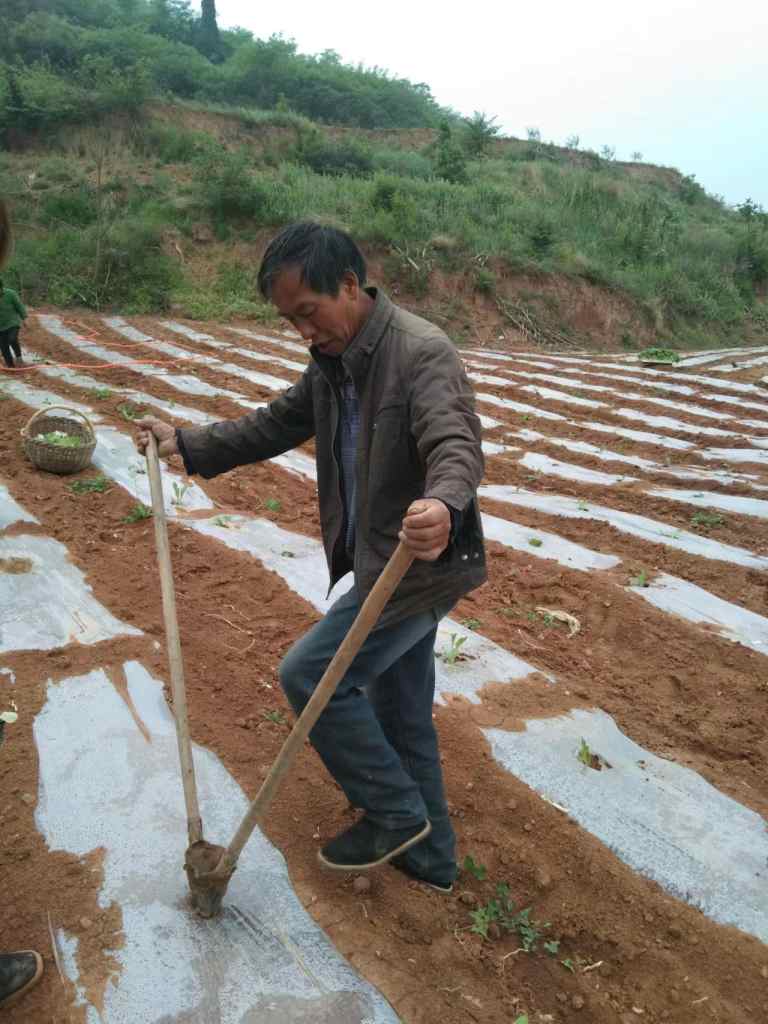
{"x":324,"y":156}
{"x":385,"y":190}
{"x":450,"y":162}
{"x":230,"y":191}
{"x":75,"y":207}
{"x":233,"y":293}
{"x":170,"y":143}
{"x":404,"y":163}
{"x":485,"y":281}
{"x":120,"y":265}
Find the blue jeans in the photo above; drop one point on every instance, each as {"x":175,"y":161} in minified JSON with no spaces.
{"x":376,"y":737}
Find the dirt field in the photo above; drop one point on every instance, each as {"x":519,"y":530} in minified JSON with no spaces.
{"x":659,"y":481}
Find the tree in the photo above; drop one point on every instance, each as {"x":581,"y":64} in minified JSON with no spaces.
{"x":172,"y":19}
{"x":479,"y":131}
{"x":208,"y":38}
{"x":450,"y":162}
{"x":608,"y":152}
{"x":572,"y":142}
{"x":637,"y":156}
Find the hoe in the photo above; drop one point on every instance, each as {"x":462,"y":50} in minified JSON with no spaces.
{"x":209,"y":867}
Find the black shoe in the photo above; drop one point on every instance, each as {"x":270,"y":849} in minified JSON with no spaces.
{"x":439,"y":885}
{"x":365,"y":845}
{"x":19,"y":972}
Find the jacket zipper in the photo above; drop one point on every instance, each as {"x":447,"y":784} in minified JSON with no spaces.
{"x":337,"y":413}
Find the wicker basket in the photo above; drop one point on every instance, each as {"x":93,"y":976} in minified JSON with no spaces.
{"x":54,"y":458}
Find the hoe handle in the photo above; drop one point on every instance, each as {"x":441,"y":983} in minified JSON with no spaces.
{"x":366,"y":619}
{"x":194,"y":822}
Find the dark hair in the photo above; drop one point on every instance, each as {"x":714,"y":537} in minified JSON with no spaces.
{"x":6,"y":235}
{"x":323,"y":255}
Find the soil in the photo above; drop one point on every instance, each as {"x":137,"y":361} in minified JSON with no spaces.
{"x":628,"y":951}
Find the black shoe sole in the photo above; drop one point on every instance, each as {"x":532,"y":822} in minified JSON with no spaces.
{"x":382,"y":860}
{"x":10,"y":1000}
{"x":445,"y":889}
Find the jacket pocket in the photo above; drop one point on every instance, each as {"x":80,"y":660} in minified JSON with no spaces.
{"x":395,"y":475}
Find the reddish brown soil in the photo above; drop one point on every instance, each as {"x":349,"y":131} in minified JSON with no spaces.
{"x":680,"y":691}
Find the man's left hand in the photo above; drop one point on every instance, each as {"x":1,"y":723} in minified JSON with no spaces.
{"x":427,"y":528}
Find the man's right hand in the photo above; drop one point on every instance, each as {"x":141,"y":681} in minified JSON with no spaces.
{"x":165,"y":436}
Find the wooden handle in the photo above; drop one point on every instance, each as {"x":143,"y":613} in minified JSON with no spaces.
{"x":194,"y":822}
{"x":366,"y":619}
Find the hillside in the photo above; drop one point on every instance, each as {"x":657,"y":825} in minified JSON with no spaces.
{"x":138,"y":183}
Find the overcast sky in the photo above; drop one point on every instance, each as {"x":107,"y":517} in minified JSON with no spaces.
{"x":684,"y":82}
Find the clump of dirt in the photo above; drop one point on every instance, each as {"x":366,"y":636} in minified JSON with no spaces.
{"x":16,"y":566}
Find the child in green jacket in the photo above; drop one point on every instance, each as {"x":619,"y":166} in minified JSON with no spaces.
{"x":12,"y":313}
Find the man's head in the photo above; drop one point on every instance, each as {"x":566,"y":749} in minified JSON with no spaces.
{"x":315,"y":276}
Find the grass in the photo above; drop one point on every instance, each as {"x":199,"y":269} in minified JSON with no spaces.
{"x":92,"y":485}
{"x":659,"y":240}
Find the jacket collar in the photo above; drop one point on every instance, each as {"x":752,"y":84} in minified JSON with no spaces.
{"x":355,"y":359}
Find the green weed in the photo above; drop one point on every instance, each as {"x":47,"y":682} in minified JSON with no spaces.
{"x":478,"y":871}
{"x":707,"y":519}
{"x":273,"y":504}
{"x":453,"y":654}
{"x":501,"y":911}
{"x":535,"y":542}
{"x":179,"y":493}
{"x":585,"y":755}
{"x":137,"y":513}
{"x":276,"y":717}
{"x":471,"y":623}
{"x":101,"y":393}
{"x":94,"y":484}
{"x":131,"y":412}
{"x":61,"y":439}
{"x":659,"y":355}
{"x":640,"y":580}
{"x":222,"y":521}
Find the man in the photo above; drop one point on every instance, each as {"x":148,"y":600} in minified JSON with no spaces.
{"x":398,"y":457}
{"x":19,"y":971}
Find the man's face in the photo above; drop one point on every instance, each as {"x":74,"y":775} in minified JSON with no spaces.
{"x":330,"y":323}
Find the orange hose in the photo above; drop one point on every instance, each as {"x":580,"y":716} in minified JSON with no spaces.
{"x":91,"y":366}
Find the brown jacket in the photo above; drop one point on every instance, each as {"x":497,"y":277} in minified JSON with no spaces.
{"x":419,"y":437}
